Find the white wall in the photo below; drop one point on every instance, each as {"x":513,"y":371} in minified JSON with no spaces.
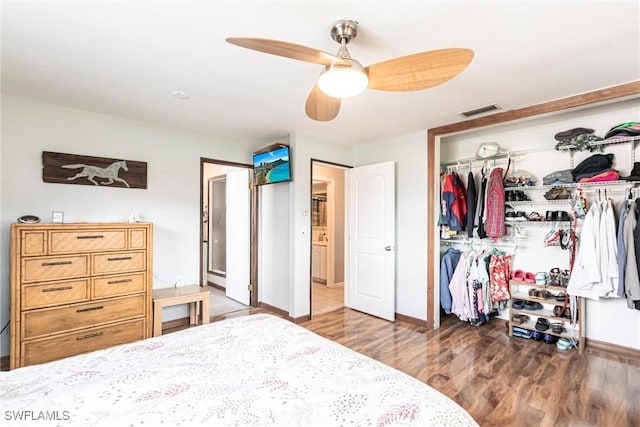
{"x":171,"y":201}
{"x":606,"y":320}
{"x":304,"y":148}
{"x":409,"y":152}
{"x":274,"y":256}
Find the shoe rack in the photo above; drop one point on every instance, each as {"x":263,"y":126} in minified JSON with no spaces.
{"x":544,"y":296}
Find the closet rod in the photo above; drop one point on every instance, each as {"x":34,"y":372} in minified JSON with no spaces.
{"x":508,"y":154}
{"x":487,"y":243}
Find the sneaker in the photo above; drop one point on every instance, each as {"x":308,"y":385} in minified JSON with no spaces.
{"x":520,"y":216}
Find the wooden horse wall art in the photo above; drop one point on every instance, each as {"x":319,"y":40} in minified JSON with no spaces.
{"x":97,"y":171}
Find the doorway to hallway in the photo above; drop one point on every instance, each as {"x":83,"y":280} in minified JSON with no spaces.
{"x":228,"y":232}
{"x":327,"y":237}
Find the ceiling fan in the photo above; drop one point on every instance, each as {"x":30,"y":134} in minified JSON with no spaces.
{"x":344,"y":77}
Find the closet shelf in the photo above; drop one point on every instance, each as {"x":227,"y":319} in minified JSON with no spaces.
{"x":537,"y":202}
{"x":505,"y":240}
{"x":619,"y":183}
{"x":534,"y":223}
{"x":603,"y":143}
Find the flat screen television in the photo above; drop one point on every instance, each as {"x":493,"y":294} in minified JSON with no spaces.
{"x":272,"y":165}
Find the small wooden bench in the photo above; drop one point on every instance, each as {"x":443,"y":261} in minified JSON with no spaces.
{"x":193,"y":295}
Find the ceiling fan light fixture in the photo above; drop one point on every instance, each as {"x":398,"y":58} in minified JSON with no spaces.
{"x":338,"y":81}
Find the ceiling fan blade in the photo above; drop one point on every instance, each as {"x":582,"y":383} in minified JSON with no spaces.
{"x":288,"y":50}
{"x":320,"y":106}
{"x":418,"y":71}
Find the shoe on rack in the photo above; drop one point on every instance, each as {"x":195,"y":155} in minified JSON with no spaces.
{"x":563,"y":344}
{"x":534,"y":216}
{"x":520,"y":216}
{"x":532,"y":305}
{"x":542,"y":324}
{"x":557,"y":327}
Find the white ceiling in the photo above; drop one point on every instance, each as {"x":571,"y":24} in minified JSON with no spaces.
{"x":124,"y":58}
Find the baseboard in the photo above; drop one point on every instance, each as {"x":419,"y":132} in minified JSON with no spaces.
{"x":628,"y":352}
{"x":336,"y":285}
{"x":280,"y":312}
{"x":300,"y":319}
{"x":284,"y":314}
{"x":175,"y":323}
{"x":4,"y":363}
{"x":213,"y":285}
{"x":412,"y":320}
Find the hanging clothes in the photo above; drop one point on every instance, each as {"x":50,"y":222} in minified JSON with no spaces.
{"x":448,"y":264}
{"x":494,"y":215}
{"x":460,"y":305}
{"x":471,"y":204}
{"x":622,"y":250}
{"x":470,"y":285}
{"x":595,"y":271}
{"x":479,"y":217}
{"x":499,"y":275}
{"x":453,"y":203}
{"x":632,"y":275}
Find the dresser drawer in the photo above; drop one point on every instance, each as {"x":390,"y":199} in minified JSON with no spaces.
{"x":46,"y":349}
{"x":54,"y":293}
{"x":118,"y":285}
{"x":33,"y":242}
{"x":118,"y":262}
{"x":54,"y":268}
{"x":72,"y":317}
{"x":138,"y":238}
{"x":87,"y":241}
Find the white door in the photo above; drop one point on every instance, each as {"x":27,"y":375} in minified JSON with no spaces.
{"x":371,"y":286}
{"x":238,"y":236}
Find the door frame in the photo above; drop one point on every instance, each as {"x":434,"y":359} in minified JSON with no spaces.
{"x":310,"y":227}
{"x":253,"y":275}
{"x":434,"y":135}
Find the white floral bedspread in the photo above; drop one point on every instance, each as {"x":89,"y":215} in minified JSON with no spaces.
{"x":256,"y":370}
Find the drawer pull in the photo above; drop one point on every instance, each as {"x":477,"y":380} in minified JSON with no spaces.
{"x":120,"y":258}
{"x":81,"y":310}
{"x":84,"y":337}
{"x":113,"y":282}
{"x":97,"y":236}
{"x":49,"y":264}
{"x":62,"y":288}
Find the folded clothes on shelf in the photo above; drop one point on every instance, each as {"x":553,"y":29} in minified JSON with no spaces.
{"x":558,"y":177}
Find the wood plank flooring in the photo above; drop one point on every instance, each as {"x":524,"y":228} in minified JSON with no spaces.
{"x":500,"y":381}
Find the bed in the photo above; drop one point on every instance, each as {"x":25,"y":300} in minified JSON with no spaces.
{"x":245,"y":371}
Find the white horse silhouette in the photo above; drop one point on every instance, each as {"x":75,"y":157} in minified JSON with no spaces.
{"x":110,"y":172}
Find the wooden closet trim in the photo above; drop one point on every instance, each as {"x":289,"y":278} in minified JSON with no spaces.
{"x":627,"y":90}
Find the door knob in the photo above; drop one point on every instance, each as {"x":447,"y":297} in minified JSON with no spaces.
{"x":387,"y":248}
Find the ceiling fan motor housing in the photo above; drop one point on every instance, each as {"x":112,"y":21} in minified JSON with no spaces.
{"x":344,"y":30}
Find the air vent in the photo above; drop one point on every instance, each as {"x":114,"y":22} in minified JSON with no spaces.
{"x":480,"y":110}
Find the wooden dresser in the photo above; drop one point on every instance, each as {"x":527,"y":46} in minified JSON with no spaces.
{"x":77,"y":288}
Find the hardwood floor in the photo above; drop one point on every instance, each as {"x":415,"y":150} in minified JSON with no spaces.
{"x":500,"y":381}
